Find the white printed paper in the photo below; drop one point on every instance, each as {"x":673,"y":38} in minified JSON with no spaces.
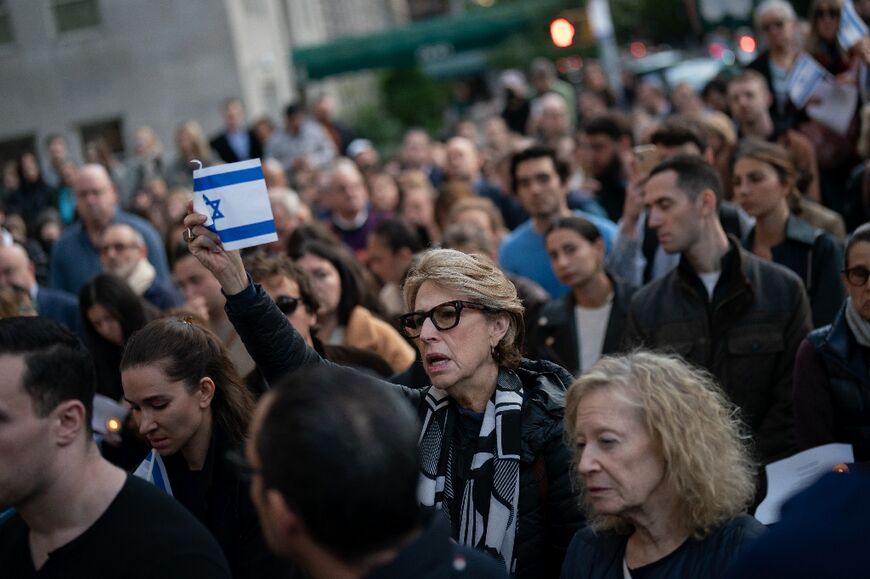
{"x":236,"y":202}
{"x":788,"y":476}
{"x":836,"y":106}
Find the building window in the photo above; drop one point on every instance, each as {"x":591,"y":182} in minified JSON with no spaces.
{"x":5,"y":24}
{"x":11,"y":148}
{"x":104,"y":137}
{"x":75,"y":14}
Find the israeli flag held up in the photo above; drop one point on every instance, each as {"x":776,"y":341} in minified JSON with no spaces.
{"x":235,"y":199}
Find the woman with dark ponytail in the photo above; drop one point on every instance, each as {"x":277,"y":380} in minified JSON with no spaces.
{"x":188,"y":401}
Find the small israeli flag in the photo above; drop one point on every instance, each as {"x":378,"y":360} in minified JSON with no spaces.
{"x":852,"y":27}
{"x":804,"y":79}
{"x":153,"y":470}
{"x":235,"y":199}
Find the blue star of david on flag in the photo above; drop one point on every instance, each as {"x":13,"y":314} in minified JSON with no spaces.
{"x":215,"y":207}
{"x":234,"y":199}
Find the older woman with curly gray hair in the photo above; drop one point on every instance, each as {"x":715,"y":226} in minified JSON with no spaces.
{"x":663,"y":471}
{"x":492,"y":455}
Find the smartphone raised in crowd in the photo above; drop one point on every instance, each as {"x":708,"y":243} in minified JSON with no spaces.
{"x":645,"y":158}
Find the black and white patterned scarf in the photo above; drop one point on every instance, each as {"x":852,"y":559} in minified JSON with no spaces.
{"x":495,"y":468}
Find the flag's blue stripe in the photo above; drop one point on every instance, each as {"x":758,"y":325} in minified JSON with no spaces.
{"x":157,"y":474}
{"x":246,"y":231}
{"x":229,"y":178}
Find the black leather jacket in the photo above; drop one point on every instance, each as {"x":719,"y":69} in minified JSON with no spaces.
{"x":548,"y":509}
{"x":747,"y":337}
{"x":554,"y":336}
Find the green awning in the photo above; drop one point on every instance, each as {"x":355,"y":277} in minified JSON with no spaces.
{"x":425,"y":42}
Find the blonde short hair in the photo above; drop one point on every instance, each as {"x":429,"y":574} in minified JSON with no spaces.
{"x":474,"y":278}
{"x":697,"y":429}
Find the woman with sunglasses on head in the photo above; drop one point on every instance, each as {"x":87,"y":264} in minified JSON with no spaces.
{"x":832,"y":367}
{"x":189,"y":402}
{"x":764,"y":186}
{"x":492,"y":455}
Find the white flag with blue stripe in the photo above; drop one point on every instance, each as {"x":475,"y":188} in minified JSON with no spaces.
{"x":153,"y":470}
{"x":805,"y":78}
{"x":236,"y":202}
{"x":852,"y":27}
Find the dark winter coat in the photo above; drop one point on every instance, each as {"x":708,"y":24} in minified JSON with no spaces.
{"x":548,"y":512}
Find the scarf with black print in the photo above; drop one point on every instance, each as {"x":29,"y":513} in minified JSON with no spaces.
{"x":491,"y":525}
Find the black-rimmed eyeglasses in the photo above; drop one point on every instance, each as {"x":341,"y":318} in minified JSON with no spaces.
{"x":444,"y":317}
{"x":857,"y":276}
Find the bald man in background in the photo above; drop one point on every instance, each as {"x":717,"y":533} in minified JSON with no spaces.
{"x":17,"y":269}
{"x":75,"y":257}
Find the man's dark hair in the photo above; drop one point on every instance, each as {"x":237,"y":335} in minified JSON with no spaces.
{"x":860,"y":234}
{"x":341,"y":448}
{"x":614,"y":125}
{"x":538,"y":152}
{"x":57,"y":366}
{"x":262,"y":266}
{"x":694,"y":175}
{"x":397,"y":233}
{"x":679,"y":130}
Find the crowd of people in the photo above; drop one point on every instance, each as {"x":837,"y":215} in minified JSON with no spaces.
{"x":561,"y":339}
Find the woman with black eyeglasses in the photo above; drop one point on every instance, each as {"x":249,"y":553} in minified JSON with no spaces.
{"x":832,"y":368}
{"x":493,"y":459}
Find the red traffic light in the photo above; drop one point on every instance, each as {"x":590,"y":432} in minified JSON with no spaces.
{"x":562,"y":32}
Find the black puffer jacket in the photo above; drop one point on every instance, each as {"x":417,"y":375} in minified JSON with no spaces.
{"x":548,"y":513}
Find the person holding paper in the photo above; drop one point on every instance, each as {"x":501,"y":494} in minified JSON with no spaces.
{"x":466,"y":321}
{"x":764,"y":185}
{"x":836,"y":150}
{"x":831,"y":376}
{"x":664,"y":473}
{"x":193,"y":408}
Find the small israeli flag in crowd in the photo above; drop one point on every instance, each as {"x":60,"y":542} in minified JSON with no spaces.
{"x":804,"y":79}
{"x":852,"y":27}
{"x":235,"y":199}
{"x":153,"y":470}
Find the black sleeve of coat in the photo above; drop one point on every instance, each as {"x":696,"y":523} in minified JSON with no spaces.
{"x":271,"y":340}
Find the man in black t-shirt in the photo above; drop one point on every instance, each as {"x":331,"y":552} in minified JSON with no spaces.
{"x":77,"y":515}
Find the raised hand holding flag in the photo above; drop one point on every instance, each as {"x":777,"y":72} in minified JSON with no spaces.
{"x":236,"y":202}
